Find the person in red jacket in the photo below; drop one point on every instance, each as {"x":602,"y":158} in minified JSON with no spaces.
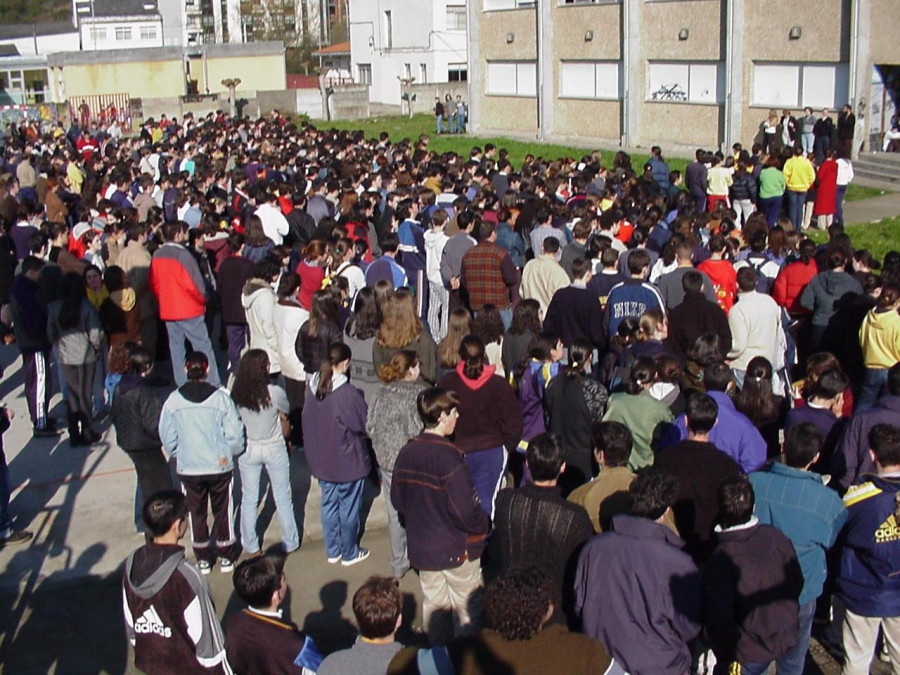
{"x":794,"y":277}
{"x":826,"y":194}
{"x":721,"y":272}
{"x":179,"y":287}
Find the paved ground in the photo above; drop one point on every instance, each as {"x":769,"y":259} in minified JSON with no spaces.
{"x":872,"y":210}
{"x":60,"y":597}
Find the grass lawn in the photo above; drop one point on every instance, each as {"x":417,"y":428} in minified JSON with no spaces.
{"x":879,"y":237}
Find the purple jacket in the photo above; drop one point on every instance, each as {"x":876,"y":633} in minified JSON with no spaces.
{"x":851,"y":458}
{"x":334,"y":433}
{"x":734,"y":434}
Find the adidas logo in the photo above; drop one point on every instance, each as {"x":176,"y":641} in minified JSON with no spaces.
{"x":149,"y":622}
{"x":888,"y":531}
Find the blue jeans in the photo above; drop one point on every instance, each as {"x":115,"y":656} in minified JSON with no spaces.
{"x":274,"y":457}
{"x":795,"y":207}
{"x":807,"y":140}
{"x":486,"y":469}
{"x":238,"y":338}
{"x":874,"y":382}
{"x":194,"y":330}
{"x":340,"y":517}
{"x":839,"y":204}
{"x":439,"y":124}
{"x":792,"y":663}
{"x":461,"y":122}
{"x":770,"y":207}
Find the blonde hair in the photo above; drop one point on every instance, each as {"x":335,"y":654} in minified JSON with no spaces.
{"x":398,"y":367}
{"x":400,"y":326}
{"x":649,"y":323}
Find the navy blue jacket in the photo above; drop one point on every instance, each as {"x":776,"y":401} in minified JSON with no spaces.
{"x":432,"y":491}
{"x":334,"y":432}
{"x":639,"y":594}
{"x":851,"y":459}
{"x":631,"y":298}
{"x":870,"y":548}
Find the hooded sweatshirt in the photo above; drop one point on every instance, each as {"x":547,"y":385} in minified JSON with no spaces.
{"x":258,"y":300}
{"x":169,"y":614}
{"x":120,"y":317}
{"x":489,"y":412}
{"x":829,"y":292}
{"x":880,"y":339}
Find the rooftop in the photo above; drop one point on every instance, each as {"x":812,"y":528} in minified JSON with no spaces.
{"x":331,"y":50}
{"x":111,"y":8}
{"x":11,"y":31}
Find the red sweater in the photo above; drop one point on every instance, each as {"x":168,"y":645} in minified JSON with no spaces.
{"x":176,"y":281}
{"x":724,"y":280}
{"x":311,"y":276}
{"x":789,"y":285}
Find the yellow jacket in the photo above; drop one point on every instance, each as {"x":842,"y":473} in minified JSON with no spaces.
{"x":879,"y":337}
{"x":799,"y":174}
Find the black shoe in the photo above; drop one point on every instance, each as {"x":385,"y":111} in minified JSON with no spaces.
{"x":75,"y":440}
{"x":89,"y":437}
{"x":15,"y":538}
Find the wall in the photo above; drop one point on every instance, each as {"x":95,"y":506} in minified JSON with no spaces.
{"x":47,"y":44}
{"x":420,"y":36}
{"x":425,"y":94}
{"x":350,"y":102}
{"x":110,"y":41}
{"x":145,"y":79}
{"x":257,"y":73}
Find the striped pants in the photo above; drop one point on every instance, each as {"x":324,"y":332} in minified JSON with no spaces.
{"x":36,"y":370}
{"x":438,"y":310}
{"x":199,"y":492}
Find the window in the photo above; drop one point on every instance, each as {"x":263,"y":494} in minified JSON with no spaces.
{"x":512,"y":78}
{"x":423,"y":73}
{"x":407,"y":71}
{"x":817,"y":85}
{"x":123,"y":33}
{"x":148,"y":32}
{"x":364,"y":72}
{"x":589,"y":79}
{"x":388,"y":31}
{"x":457,"y":72}
{"x":456,"y":17}
{"x":686,"y":82}
{"x":490,"y":5}
{"x":98,"y":34}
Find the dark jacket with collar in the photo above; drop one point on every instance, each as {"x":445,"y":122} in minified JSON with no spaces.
{"x":700,"y":469}
{"x":575,"y":313}
{"x":432,"y":491}
{"x":851,"y":459}
{"x":750,"y":588}
{"x":135,"y":414}
{"x":639,"y":594}
{"x":696,"y":315}
{"x":534,"y":525}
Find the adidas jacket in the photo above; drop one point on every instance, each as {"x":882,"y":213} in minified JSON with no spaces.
{"x":868,"y":581}
{"x":170,"y":619}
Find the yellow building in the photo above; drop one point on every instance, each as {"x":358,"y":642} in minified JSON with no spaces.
{"x":680,"y":73}
{"x":168,"y":72}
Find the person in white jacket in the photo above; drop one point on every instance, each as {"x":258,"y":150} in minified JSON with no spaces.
{"x":756,"y":328}
{"x":274,"y":224}
{"x":258,"y":300}
{"x":289,"y":316}
{"x":439,"y":303}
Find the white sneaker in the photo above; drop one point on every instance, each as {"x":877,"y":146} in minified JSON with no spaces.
{"x":335,"y":559}
{"x":362,"y":555}
{"x":204,"y":566}
{"x":226,"y":566}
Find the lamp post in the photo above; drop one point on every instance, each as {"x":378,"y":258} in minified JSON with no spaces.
{"x":231,"y":84}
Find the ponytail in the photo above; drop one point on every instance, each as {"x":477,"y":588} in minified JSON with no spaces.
{"x":471,"y":354}
{"x":338,"y":352}
{"x":580,"y":353}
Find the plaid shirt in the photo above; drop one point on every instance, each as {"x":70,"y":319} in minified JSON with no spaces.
{"x":489,"y":276}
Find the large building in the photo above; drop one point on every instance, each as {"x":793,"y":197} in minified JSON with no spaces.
{"x":117,"y":24}
{"x":681,"y":73}
{"x":421,"y":39}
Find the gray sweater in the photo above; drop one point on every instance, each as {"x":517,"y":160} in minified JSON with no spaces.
{"x":393,"y":419}
{"x":81,"y":344}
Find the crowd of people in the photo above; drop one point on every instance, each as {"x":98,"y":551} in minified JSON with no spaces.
{"x":658,"y":419}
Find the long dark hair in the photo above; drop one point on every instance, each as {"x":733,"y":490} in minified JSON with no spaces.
{"x":322,"y":309}
{"x":526,"y":317}
{"x":539,"y":349}
{"x":488,"y":324}
{"x":72,"y":299}
{"x":251,"y":383}
{"x":581,"y":351}
{"x":337,"y":353}
{"x":643,"y":371}
{"x":471,"y":353}
{"x":755,"y":399}
{"x":366,"y":317}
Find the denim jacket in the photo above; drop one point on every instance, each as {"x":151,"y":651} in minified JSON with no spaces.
{"x":200,"y":426}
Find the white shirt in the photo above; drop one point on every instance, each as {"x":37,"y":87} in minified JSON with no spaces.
{"x":844,"y":171}
{"x":274,"y":224}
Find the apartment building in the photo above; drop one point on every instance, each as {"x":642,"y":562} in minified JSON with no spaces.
{"x":680,"y":73}
{"x":421,"y":39}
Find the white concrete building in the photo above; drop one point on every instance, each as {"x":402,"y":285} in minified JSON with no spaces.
{"x":117,"y":24}
{"x":421,"y":39}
